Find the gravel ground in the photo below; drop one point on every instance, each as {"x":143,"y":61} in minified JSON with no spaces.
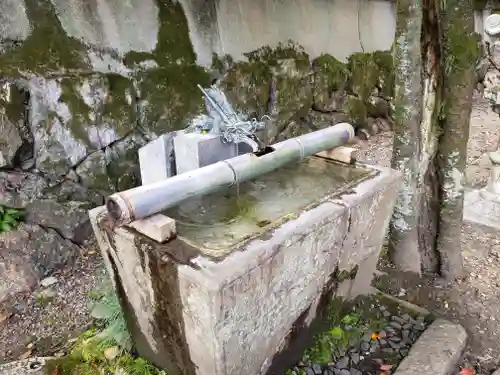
{"x":42,"y":322}
{"x":379,"y":336}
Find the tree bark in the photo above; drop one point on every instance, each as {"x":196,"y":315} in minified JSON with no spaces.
{"x":403,"y":229}
{"x":433,"y":100}
{"x":459,"y":56}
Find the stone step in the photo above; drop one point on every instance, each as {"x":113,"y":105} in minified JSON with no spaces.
{"x":437,"y":351}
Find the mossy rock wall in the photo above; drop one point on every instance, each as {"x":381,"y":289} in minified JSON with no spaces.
{"x":76,"y":107}
{"x":300,"y":94}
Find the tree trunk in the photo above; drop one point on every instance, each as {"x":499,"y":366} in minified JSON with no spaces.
{"x":433,"y":99}
{"x":404,"y":233}
{"x":459,"y":56}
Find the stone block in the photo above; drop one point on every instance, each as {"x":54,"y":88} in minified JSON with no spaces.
{"x":157,"y":160}
{"x":437,"y":351}
{"x":482,"y":207}
{"x":193,"y":151}
{"x":196,"y":313}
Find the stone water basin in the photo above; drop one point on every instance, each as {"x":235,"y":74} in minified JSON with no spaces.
{"x":220,"y":222}
{"x":249,"y":265}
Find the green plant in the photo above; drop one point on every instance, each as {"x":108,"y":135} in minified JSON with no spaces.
{"x":9,"y":218}
{"x":106,"y":309}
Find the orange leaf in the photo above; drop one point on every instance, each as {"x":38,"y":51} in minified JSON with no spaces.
{"x":385,"y":367}
{"x":467,"y":371}
{"x":374,"y":336}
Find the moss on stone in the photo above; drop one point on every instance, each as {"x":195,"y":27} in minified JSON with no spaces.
{"x":48,"y":48}
{"x":335,"y":73}
{"x":169,"y":92}
{"x":119,"y":104}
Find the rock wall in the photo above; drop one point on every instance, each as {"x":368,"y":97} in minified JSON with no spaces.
{"x":83,"y":86}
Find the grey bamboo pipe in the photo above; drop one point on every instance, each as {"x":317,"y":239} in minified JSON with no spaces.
{"x":143,"y":201}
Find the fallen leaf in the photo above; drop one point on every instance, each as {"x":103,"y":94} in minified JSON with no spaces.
{"x":382,"y":335}
{"x":374,"y":336}
{"x":467,"y":371}
{"x":385,"y":367}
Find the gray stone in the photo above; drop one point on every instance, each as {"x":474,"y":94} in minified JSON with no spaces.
{"x":69,"y":219}
{"x":355,"y":371}
{"x":51,"y":252}
{"x":317,"y":369}
{"x":310,"y":371}
{"x":14,"y":22}
{"x":395,"y":325}
{"x":10,"y":140}
{"x":17,"y":275}
{"x":355,"y":358}
{"x":437,"y":351}
{"x":345,"y":372}
{"x":365,"y":346}
{"x":482,"y":207}
{"x":17,"y":189}
{"x":30,"y":366}
{"x":342,"y":363}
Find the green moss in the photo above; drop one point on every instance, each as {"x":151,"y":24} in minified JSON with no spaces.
{"x":117,"y":106}
{"x":170,"y":91}
{"x":272,"y":56}
{"x":335,"y":73}
{"x":48,"y":48}
{"x":340,"y":276}
{"x":357,"y":108}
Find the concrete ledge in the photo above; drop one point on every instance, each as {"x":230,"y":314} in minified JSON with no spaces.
{"x":437,"y":351}
{"x":30,"y":366}
{"x":482,"y":207}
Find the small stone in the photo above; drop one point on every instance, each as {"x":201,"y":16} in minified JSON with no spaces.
{"x":395,"y":339}
{"x":387,"y":350}
{"x":317,"y":369}
{"x":48,"y":281}
{"x":405,"y":335}
{"x":419,"y":327}
{"x":374,"y":349}
{"x":345,"y":372}
{"x":310,"y":371}
{"x":336,"y":371}
{"x":394,"y":345}
{"x":407,"y":326}
{"x":395,"y":325}
{"x":342,"y":363}
{"x":328,"y":371}
{"x":355,"y":358}
{"x":398,"y":319}
{"x":365,"y":346}
{"x":382,"y":342}
{"x":421,"y":318}
{"x":355,"y":371}
{"x":404,"y":352}
{"x":367,"y":337}
{"x":386,"y":314}
{"x":406,"y":317}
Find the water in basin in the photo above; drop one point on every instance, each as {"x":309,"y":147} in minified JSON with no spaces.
{"x":220,"y":222}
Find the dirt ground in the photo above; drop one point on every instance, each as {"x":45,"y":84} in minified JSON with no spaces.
{"x":475,"y":301}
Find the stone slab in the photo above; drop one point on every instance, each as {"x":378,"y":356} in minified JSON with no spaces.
{"x":194,"y":150}
{"x":232,"y":315}
{"x":482,"y":207}
{"x":437,"y":351}
{"x":30,"y":366}
{"x":157,"y":160}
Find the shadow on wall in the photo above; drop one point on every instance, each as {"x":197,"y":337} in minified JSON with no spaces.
{"x":336,"y":27}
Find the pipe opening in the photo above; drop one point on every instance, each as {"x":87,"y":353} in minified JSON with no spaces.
{"x":264,"y":151}
{"x":114,"y":210}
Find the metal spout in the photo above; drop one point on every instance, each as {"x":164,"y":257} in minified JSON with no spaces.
{"x":143,"y":201}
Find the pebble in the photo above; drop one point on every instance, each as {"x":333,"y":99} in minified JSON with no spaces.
{"x":398,"y":319}
{"x":395,"y":338}
{"x":317,"y":369}
{"x":345,"y":372}
{"x":407,"y":326}
{"x":382,"y":342}
{"x":48,"y":281}
{"x":395,"y":325}
{"x":327,"y":371}
{"x":355,"y":358}
{"x":404,"y":352}
{"x":310,"y":371}
{"x":386,"y":314}
{"x":355,"y":371}
{"x":365,"y":346}
{"x":342,"y":362}
{"x":406,"y":317}
{"x":405,"y":335}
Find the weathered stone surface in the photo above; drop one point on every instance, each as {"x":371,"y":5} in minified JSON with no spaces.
{"x":17,"y":189}
{"x":14,"y":23}
{"x":482,"y":207}
{"x":330,"y":84}
{"x":17,"y":274}
{"x":437,"y":351}
{"x":69,"y":219}
{"x":31,"y":366}
{"x":10,"y":141}
{"x":123,"y":26}
{"x":68,"y":190}
{"x":283,"y":272}
{"x":277,"y":82}
{"x":50,"y":252}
